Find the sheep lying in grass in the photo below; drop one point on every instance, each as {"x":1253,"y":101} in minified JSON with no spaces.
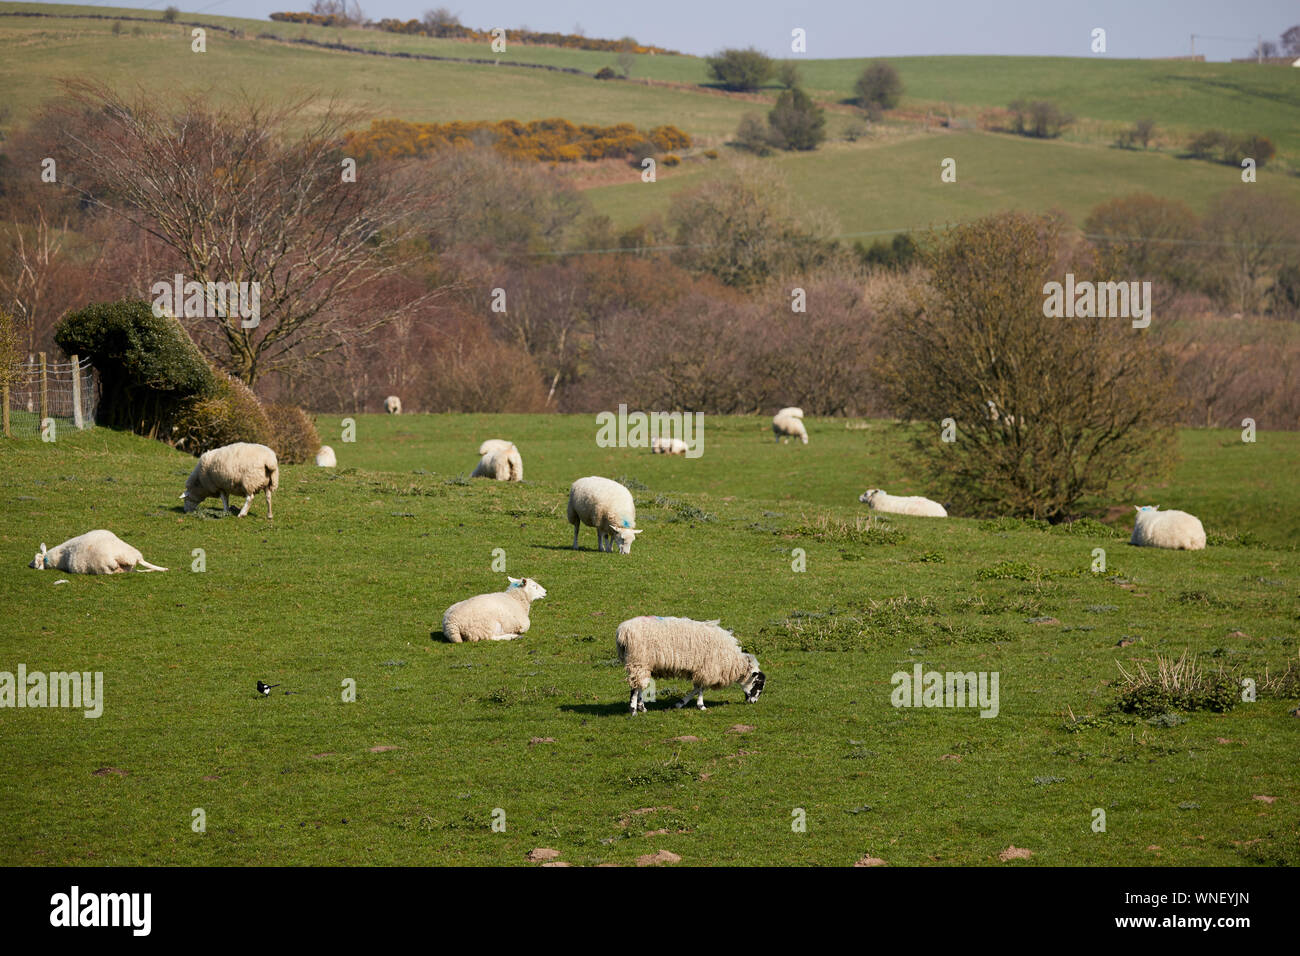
{"x":667,"y":446}
{"x":393,"y":405}
{"x":500,"y":616}
{"x":878,"y":500}
{"x":679,"y":647}
{"x":95,"y":552}
{"x":500,"y":460}
{"x":1178,"y":530}
{"x":606,"y":506}
{"x":325,"y":457}
{"x":788,"y":422}
{"x":239,"y":469}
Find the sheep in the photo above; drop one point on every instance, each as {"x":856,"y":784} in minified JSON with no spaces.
{"x":878,"y":500}
{"x":325,"y":457}
{"x":788,"y":422}
{"x":393,"y":405}
{"x":679,"y":647}
{"x":606,"y":506}
{"x":95,"y":552}
{"x":667,"y":446}
{"x":239,"y":469}
{"x":500,"y":460}
{"x":499,"y":616}
{"x":1154,"y":528}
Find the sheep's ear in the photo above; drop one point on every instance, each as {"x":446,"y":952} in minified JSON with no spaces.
{"x":515,"y":580}
{"x":42,"y":547}
{"x":636,"y":530}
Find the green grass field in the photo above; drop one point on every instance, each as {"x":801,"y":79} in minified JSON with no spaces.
{"x":354,"y":574}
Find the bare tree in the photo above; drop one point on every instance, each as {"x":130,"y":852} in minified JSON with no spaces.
{"x":1259,"y":231}
{"x":237,"y":197}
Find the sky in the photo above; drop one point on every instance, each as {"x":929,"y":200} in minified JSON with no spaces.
{"x":1134,"y":28}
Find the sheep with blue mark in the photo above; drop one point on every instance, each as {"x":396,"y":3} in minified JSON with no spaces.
{"x":606,"y":506}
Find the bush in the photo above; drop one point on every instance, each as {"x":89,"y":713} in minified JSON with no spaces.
{"x":1040,"y":119}
{"x":1207,"y":145}
{"x":754,"y":135}
{"x":743,"y":70}
{"x":231,"y":413}
{"x":293,"y":436}
{"x":606,"y":73}
{"x":672,"y":159}
{"x":797,"y":122}
{"x":1253,"y":146}
{"x":147,"y":364}
{"x":1094,"y":400}
{"x":787,"y":74}
{"x":1140,"y":134}
{"x":11,"y":351}
{"x":896,"y":255}
{"x":879,"y":86}
{"x":170,"y":14}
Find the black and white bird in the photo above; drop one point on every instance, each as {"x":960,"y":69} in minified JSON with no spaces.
{"x":265,"y":689}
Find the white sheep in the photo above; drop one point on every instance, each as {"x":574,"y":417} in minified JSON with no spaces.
{"x":499,"y":616}
{"x":239,"y":469}
{"x":95,"y":552}
{"x":878,"y":500}
{"x":606,"y":506}
{"x":678,"y":647}
{"x":788,"y":422}
{"x":325,"y":457}
{"x":667,"y":446}
{"x":393,"y":405}
{"x":500,"y":460}
{"x":1154,"y":528}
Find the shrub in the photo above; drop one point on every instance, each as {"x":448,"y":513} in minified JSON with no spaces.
{"x":787,"y":74}
{"x":1253,"y":146}
{"x":711,"y":154}
{"x":170,"y":14}
{"x":672,"y":159}
{"x":1140,"y":134}
{"x":1181,"y":684}
{"x":231,"y":413}
{"x":606,"y":73}
{"x":743,"y":70}
{"x":879,"y":86}
{"x":896,"y":255}
{"x":117,"y":28}
{"x":147,"y":364}
{"x":11,"y":353}
{"x":1041,"y":119}
{"x":754,"y":135}
{"x":797,"y":122}
{"x":293,"y":436}
{"x":1208,"y":144}
{"x":1094,"y":399}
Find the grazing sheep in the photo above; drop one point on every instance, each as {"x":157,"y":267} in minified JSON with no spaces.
{"x":393,"y":405}
{"x":239,"y":469}
{"x":499,"y":616}
{"x":95,"y":552}
{"x":667,"y":446}
{"x":788,"y":422}
{"x":878,"y":500}
{"x":1154,"y":528}
{"x":679,"y":647}
{"x":501,"y":460}
{"x":325,"y":457}
{"x":606,"y":506}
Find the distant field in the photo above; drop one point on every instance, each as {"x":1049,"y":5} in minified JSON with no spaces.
{"x":356,"y":570}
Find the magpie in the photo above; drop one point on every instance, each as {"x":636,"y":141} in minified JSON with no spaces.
{"x":265,"y":689}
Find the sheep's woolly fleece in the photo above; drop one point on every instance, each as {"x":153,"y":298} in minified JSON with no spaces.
{"x":499,"y":460}
{"x":606,"y":506}
{"x":667,"y":446}
{"x":1177,"y":530}
{"x":239,"y":469}
{"x":878,"y":500}
{"x":325,"y":457}
{"x":95,"y":552}
{"x":703,"y":651}
{"x":393,"y":405}
{"x":789,"y":422}
{"x":499,"y":616}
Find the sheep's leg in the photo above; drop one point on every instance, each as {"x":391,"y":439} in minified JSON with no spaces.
{"x":268,"y":504}
{"x":505,"y":637}
{"x":225,"y":503}
{"x":576,"y":527}
{"x":244,"y":510}
{"x":694,"y":692}
{"x":633,"y":700}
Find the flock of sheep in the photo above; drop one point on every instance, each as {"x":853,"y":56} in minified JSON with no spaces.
{"x":648,"y":646}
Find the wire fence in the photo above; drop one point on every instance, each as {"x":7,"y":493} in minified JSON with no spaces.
{"x":46,"y":397}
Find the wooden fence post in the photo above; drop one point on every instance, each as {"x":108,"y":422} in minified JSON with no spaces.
{"x":45,"y":393}
{"x":76,"y":392}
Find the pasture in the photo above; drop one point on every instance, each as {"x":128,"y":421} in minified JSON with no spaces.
{"x":354,"y":574}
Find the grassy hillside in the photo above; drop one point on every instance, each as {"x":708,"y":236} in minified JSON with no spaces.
{"x":887,"y":181}
{"x":358,"y":566}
